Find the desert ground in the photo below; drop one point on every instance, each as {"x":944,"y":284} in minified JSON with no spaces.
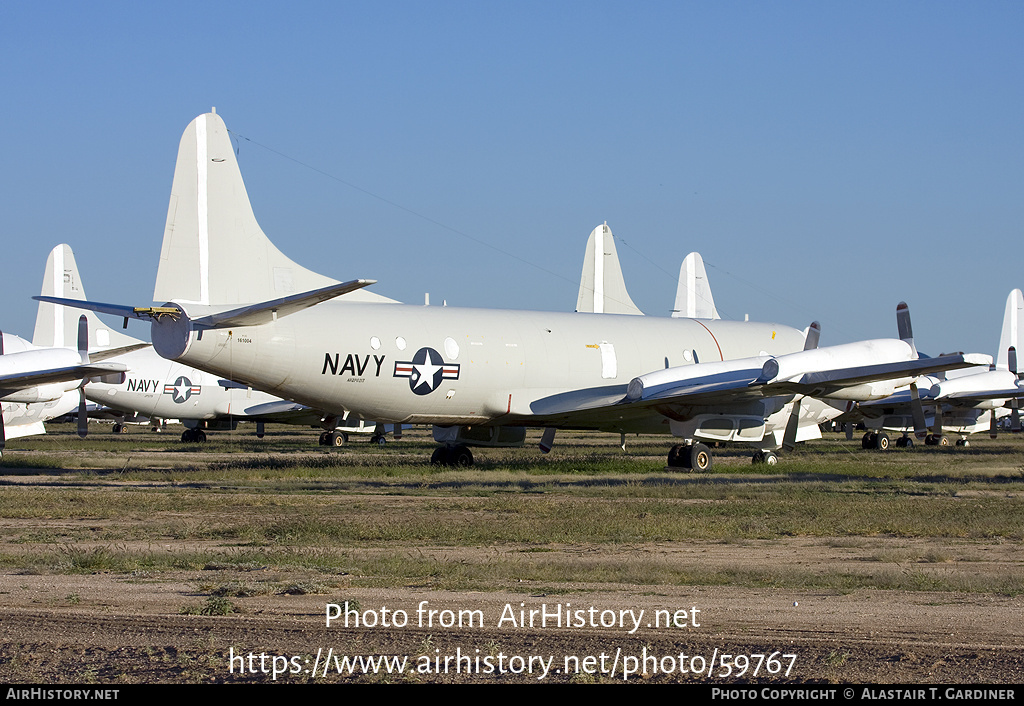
{"x":138,"y":559}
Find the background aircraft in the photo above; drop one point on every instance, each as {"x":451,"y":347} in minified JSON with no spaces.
{"x":42,"y":382}
{"x":247,"y":312}
{"x":965,"y":402}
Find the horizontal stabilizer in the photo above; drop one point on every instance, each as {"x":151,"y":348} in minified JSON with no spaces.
{"x":265,"y":312}
{"x":252,"y":315}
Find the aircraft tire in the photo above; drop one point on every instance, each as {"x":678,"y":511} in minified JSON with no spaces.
{"x":758,"y":457}
{"x":186,"y":436}
{"x":770,"y":458}
{"x":323,"y":438}
{"x":677,"y":456}
{"x":700,"y":458}
{"x":882,"y":441}
{"x":461,"y":456}
{"x":379,"y":440}
{"x":200,"y":436}
{"x":868,"y":441}
{"x":116,"y":429}
{"x":942,"y":441}
{"x":439,"y":457}
{"x":336,"y":439}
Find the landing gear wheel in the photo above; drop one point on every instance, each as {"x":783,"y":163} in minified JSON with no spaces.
{"x":963,"y":443}
{"x":904,"y":442}
{"x":757,"y":458}
{"x":323,"y":438}
{"x":439,"y":457}
{"x":336,"y":438}
{"x":700,"y":458}
{"x":461,"y":456}
{"x":882,"y":441}
{"x":378,"y":439}
{"x":119,"y":429}
{"x":770,"y":459}
{"x":868,"y":442}
{"x":676,"y":456}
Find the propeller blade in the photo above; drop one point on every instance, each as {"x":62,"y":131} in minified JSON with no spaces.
{"x":1011,"y":359}
{"x":917,"y":411}
{"x":813,"y":334}
{"x":548,"y":440}
{"x":83,"y":416}
{"x":83,"y":339}
{"x":903,"y":324}
{"x":789,"y":438}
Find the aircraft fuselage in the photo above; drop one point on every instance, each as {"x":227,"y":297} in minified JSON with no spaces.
{"x":448,"y":365}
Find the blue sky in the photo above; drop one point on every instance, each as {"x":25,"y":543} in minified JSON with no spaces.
{"x":827,"y":159}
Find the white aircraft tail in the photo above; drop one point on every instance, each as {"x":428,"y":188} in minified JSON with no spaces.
{"x":214,"y":252}
{"x":1012,"y":329}
{"x":693,"y":294}
{"x":57,"y":326}
{"x":602,"y":287}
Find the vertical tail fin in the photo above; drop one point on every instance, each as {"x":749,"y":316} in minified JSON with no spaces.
{"x":602,"y":287}
{"x":693,"y":294}
{"x":214,"y":251}
{"x":57,"y":326}
{"x":1012,"y":329}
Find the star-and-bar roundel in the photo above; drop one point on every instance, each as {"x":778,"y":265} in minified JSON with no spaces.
{"x":426,"y":370}
{"x":181,"y":390}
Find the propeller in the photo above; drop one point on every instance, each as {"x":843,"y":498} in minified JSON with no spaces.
{"x":548,"y":440}
{"x":1011,"y":359}
{"x":789,"y":438}
{"x":3,"y":434}
{"x":83,"y":352}
{"x":906,"y":333}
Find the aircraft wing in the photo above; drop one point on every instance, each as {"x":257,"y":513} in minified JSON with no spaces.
{"x":821,"y":372}
{"x":25,"y":380}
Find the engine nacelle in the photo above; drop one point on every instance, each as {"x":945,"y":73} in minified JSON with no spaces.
{"x":793,"y":366}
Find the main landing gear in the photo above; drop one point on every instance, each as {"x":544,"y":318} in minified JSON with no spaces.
{"x":695,"y":456}
{"x":333,"y":438}
{"x":769,"y":458}
{"x":459,"y":455}
{"x":193,"y":436}
{"x":876,"y":440}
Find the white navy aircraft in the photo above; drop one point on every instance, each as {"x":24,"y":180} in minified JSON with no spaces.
{"x":40,"y":381}
{"x":967,"y":403}
{"x":239,"y":308}
{"x":159,"y":389}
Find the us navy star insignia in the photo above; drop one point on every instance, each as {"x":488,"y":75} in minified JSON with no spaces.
{"x":426,"y":370}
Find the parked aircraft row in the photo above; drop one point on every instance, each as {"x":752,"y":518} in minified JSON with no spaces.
{"x":238,"y":309}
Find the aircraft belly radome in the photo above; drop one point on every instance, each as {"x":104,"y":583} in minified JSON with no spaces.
{"x":447,"y":365}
